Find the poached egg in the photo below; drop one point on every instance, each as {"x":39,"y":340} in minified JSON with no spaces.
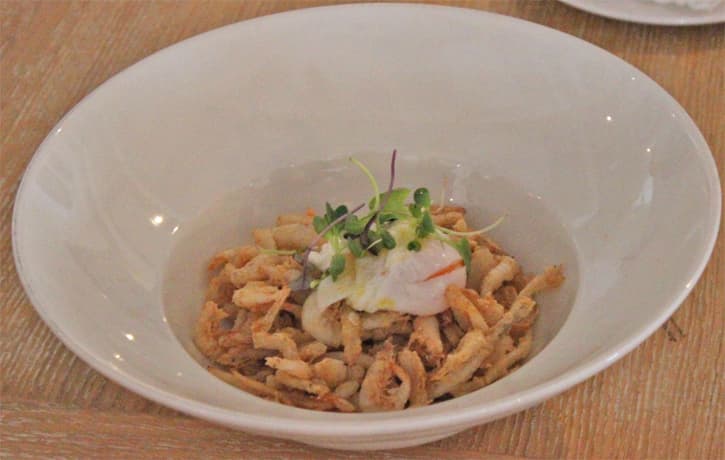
{"x":397,"y":279}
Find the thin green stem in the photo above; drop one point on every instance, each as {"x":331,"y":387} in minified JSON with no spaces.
{"x":477,"y":232}
{"x":373,"y":182}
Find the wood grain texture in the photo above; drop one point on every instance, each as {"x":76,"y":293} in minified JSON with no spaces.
{"x":664,"y":400}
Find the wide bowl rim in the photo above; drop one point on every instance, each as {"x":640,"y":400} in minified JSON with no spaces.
{"x":350,"y":424}
{"x":659,"y":19}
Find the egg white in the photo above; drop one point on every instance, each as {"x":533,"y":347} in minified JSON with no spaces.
{"x":397,"y":279}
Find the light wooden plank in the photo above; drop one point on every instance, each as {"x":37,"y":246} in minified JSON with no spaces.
{"x":663,"y":400}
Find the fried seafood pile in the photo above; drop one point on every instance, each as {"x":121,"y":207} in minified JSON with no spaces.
{"x":250,"y":327}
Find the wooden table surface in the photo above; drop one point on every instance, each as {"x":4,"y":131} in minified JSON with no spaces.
{"x":664,"y":400}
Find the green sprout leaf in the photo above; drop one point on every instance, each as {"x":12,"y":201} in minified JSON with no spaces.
{"x":464,"y":249}
{"x":387,"y":239}
{"x":340,"y":211}
{"x":415,"y":210}
{"x":354,"y":225}
{"x":395,"y":203}
{"x":356,"y":248}
{"x":337,"y":266}
{"x":421,"y":197}
{"x":388,"y":217}
{"x":414,"y":246}
{"x":426,"y":226}
{"x":319,"y":224}
{"x":329,"y":212}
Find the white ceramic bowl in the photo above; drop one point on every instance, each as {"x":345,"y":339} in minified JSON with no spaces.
{"x":184,"y":152}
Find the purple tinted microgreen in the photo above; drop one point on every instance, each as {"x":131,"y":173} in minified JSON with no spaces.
{"x":392,"y":179}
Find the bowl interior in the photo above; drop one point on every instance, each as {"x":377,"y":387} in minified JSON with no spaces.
{"x":531,"y":232}
{"x":180,"y":155}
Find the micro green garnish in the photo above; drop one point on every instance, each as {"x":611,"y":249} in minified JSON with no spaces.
{"x":278,"y":252}
{"x":426,"y":226}
{"x":414,"y":246}
{"x":420,"y":212}
{"x":355,"y":247}
{"x":384,"y":208}
{"x":337,"y":266}
{"x":421,"y":197}
{"x":388,"y":193}
{"x":464,"y":249}
{"x":393,"y":204}
{"x":367,"y":233}
{"x":332,"y":229}
{"x":347,"y":233}
{"x":373,"y":182}
{"x":354,"y":225}
{"x":387,"y":239}
{"x":486,"y":229}
{"x":373,"y":244}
